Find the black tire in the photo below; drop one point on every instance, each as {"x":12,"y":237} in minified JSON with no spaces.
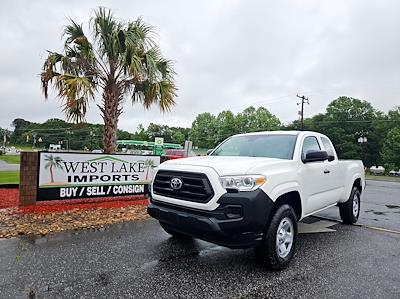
{"x":348,"y":212}
{"x":267,"y":252}
{"x":172,"y":232}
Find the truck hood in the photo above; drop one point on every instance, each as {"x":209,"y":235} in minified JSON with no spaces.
{"x":227,"y":165}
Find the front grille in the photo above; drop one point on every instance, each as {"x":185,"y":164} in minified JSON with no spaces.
{"x":196,"y":187}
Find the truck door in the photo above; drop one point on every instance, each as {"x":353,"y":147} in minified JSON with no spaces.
{"x":316,"y":187}
{"x":334,"y":175}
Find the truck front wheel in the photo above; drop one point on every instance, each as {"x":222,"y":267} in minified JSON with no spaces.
{"x":279,"y":243}
{"x":350,"y":210}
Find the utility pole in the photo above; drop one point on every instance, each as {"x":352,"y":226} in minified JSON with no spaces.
{"x":304,"y":100}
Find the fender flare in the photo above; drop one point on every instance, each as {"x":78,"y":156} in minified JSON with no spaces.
{"x":347,"y":191}
{"x":284,"y":188}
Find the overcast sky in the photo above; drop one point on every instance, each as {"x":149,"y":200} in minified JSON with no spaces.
{"x":228,"y":54}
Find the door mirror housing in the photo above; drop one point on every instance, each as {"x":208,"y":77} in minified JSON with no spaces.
{"x":209,"y":151}
{"x":331,"y":158}
{"x":316,"y":156}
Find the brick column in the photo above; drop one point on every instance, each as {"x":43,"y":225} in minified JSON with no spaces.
{"x":28,"y":178}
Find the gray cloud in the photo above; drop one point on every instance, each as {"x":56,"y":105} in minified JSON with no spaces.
{"x":229,"y":54}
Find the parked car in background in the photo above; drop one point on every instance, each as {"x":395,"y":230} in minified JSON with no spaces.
{"x":178,"y":154}
{"x":394,"y":173}
{"x":377,"y":170}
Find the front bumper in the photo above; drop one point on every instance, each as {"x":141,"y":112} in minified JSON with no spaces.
{"x":238,"y":222}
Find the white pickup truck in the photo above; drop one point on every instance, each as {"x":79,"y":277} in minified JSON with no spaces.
{"x":252,"y":189}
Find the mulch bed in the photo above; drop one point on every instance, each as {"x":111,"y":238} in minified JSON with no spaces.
{"x":59,"y":215}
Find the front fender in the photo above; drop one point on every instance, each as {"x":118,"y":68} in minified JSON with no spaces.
{"x":284,"y":188}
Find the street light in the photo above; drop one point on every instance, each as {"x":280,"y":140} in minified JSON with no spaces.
{"x":34,"y":140}
{"x":361,"y":140}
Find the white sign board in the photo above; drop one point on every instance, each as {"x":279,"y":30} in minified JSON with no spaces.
{"x":74,"y":175}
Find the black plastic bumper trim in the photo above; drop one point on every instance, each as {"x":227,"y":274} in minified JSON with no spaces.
{"x":218,"y":226}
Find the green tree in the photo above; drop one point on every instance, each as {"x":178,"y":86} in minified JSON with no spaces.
{"x":252,"y":120}
{"x":122,"y":60}
{"x":178,"y":137}
{"x":391,"y":149}
{"x":204,"y":130}
{"x":141,"y":134}
{"x":226,"y":125}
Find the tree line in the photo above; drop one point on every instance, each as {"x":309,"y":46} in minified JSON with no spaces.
{"x":345,"y":121}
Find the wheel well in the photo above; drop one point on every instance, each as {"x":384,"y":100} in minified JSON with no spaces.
{"x":291,"y":198}
{"x":357,"y":184}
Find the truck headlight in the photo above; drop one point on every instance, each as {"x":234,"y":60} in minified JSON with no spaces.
{"x":242,"y":183}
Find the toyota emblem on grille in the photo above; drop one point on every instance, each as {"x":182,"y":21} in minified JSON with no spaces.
{"x":176,"y":183}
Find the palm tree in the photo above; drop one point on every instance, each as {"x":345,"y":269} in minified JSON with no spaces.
{"x":52,"y":162}
{"x":122,"y":60}
{"x":148,"y":163}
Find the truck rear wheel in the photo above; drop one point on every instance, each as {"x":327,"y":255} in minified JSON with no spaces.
{"x":279,"y":243}
{"x":350,"y":210}
{"x":172,"y":232}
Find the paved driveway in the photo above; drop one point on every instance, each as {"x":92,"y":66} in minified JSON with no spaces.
{"x":139,"y":260}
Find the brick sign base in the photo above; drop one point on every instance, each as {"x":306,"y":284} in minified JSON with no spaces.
{"x":28,"y":178}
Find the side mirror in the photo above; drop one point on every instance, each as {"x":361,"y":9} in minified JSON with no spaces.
{"x":316,"y":156}
{"x":209,"y":151}
{"x":331,"y":158}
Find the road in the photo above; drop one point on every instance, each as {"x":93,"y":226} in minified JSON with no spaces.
{"x":139,"y":260}
{"x":380,"y":206}
{"x":8,"y":167}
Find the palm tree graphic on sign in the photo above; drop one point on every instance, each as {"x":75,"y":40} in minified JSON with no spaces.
{"x":52,"y":162}
{"x":148,"y":164}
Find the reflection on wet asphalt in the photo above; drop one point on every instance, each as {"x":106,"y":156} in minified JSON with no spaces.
{"x":380,"y":206}
{"x":139,"y":260}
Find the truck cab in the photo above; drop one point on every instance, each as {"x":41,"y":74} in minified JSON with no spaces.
{"x":253,"y":188}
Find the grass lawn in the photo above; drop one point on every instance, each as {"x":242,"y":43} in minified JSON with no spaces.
{"x":382,"y":178}
{"x":9,"y":177}
{"x":10,"y":159}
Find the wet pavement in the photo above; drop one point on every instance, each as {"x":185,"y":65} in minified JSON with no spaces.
{"x":139,"y":260}
{"x":380,"y":206}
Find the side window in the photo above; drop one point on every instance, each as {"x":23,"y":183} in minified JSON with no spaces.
{"x":328,"y":147}
{"x":310,"y":144}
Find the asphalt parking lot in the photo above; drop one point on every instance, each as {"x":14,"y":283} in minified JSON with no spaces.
{"x":139,"y":260}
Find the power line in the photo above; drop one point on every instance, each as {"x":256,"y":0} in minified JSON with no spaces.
{"x":304,"y":100}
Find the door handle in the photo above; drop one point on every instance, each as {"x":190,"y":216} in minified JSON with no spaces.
{"x":326,"y":171}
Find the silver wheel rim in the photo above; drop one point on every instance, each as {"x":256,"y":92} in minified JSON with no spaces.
{"x":356,"y":205}
{"x":284,"y":237}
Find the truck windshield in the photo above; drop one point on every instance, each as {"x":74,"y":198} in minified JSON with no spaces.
{"x":270,"y":146}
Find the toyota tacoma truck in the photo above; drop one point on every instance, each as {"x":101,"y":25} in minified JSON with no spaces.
{"x":252,"y":189}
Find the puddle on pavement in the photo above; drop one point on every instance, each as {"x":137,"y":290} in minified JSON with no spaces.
{"x":379,"y":213}
{"x":393,"y":206}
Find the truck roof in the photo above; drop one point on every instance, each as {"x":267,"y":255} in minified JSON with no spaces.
{"x":276,"y":133}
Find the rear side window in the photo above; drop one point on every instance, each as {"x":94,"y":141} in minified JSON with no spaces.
{"x":328,"y":147}
{"x":310,"y":144}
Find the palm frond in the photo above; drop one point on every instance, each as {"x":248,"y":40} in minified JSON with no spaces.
{"x":76,"y":93}
{"x":49,"y":71}
{"x":106,"y":29}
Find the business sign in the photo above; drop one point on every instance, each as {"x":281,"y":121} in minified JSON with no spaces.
{"x":159,"y":141}
{"x":74,"y":175}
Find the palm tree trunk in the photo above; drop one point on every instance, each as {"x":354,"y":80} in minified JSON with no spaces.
{"x":51,"y":174}
{"x":110,"y":115}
